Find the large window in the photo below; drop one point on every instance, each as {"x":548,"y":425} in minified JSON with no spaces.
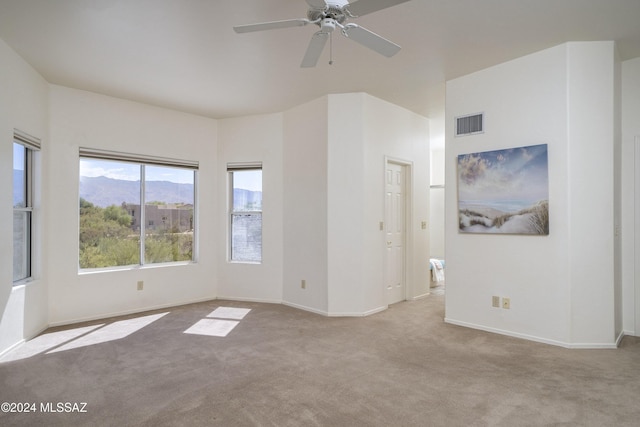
{"x":23,"y":183}
{"x":245,"y":212}
{"x":135,"y":210}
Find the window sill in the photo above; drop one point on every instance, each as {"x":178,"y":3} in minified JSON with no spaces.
{"x":24,"y":282}
{"x":88,"y":271}
{"x":245,"y":262}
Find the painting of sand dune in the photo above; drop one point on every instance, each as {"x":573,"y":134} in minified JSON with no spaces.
{"x":504,"y":191}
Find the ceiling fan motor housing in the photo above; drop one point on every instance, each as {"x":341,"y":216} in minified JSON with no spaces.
{"x":333,"y":12}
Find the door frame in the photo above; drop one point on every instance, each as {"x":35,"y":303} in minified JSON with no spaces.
{"x":636,"y":227}
{"x":408,"y":223}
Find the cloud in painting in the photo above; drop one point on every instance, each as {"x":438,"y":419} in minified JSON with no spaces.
{"x":516,"y":174}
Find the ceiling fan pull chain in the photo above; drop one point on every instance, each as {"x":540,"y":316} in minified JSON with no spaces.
{"x":330,"y":48}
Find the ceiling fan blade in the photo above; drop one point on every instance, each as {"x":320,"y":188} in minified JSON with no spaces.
{"x":316,"y":45}
{"x":363,"y":7}
{"x":371,"y":40}
{"x":317,"y":4}
{"x":273,"y":25}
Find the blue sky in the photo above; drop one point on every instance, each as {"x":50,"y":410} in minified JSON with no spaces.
{"x":131,"y":172}
{"x":248,"y":180}
{"x":18,"y":158}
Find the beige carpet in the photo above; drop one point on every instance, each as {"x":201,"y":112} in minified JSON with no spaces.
{"x":278,"y":366}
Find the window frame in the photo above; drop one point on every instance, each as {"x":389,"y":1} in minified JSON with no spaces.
{"x":31,"y":146}
{"x":143,"y":161}
{"x":231,"y":169}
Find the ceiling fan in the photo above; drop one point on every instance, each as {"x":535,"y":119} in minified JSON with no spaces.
{"x":329,"y":14}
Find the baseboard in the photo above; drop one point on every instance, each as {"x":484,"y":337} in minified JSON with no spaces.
{"x":532,"y":337}
{"x":358,"y":314}
{"x":305,"y":308}
{"x":619,"y":339}
{"x":11,"y":348}
{"x":127,"y":312}
{"x":261,"y":300}
{"x":421,"y":296}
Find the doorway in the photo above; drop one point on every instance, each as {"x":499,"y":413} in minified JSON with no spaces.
{"x":395,"y":227}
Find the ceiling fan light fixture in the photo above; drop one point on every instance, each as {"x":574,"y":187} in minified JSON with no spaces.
{"x":327,"y":25}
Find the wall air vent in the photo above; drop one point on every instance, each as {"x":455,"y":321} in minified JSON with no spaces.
{"x":470,"y":124}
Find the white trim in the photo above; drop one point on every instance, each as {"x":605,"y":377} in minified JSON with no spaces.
{"x":20,"y":343}
{"x":258,"y":300}
{"x":409,"y":278}
{"x":532,"y":337}
{"x":96,"y":153}
{"x":356,"y":314}
{"x":636,"y":244}
{"x":305,"y":308}
{"x":12,"y":347}
{"x":27,"y":140}
{"x":335,"y":314}
{"x":421,"y":296}
{"x":130,"y":311}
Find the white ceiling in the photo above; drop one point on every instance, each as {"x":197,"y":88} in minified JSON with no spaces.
{"x":184,"y":54}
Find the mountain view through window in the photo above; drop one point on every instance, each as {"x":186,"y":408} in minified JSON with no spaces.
{"x":122,"y":225}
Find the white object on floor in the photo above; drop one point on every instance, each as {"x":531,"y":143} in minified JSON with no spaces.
{"x":229,"y":313}
{"x":212,"y":327}
{"x":437,"y":270}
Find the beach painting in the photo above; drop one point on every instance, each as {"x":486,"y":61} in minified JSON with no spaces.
{"x":504,"y":191}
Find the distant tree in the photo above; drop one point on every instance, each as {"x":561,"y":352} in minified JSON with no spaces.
{"x":106,"y":239}
{"x":118,"y":214}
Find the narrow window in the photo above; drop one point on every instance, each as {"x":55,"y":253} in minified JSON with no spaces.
{"x":245,"y":216}
{"x":135,"y":210}
{"x":169,"y":203}
{"x":24,"y":148}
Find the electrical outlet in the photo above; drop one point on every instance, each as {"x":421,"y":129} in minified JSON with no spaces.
{"x":140,"y":285}
{"x":303,"y":284}
{"x":506,"y":303}
{"x":495,"y":301}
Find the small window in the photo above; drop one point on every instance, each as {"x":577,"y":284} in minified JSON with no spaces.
{"x":245,"y":217}
{"x":24,"y":148}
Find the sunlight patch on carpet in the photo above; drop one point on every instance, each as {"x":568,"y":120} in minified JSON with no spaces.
{"x":212,"y":327}
{"x":229,"y":313}
{"x":111,"y":332}
{"x":45,"y":342}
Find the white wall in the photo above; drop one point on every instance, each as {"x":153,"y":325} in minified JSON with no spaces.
{"x":630,"y":184}
{"x":23,"y":106}
{"x":84,"y":119}
{"x":397,"y":134}
{"x":436,"y":203}
{"x":305,"y":206}
{"x":437,"y":131}
{"x":591,"y":142}
{"x":252,"y":139}
{"x":561,"y":286}
{"x":347,"y":254}
{"x":363,"y":131}
{"x":334,"y":154}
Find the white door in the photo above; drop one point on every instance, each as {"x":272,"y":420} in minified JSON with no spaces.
{"x":395,"y":202}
